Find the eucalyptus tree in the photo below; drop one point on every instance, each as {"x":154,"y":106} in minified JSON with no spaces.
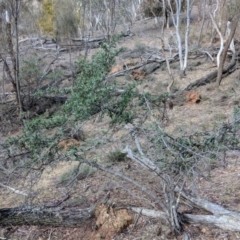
{"x":225,"y":18}
{"x":175,"y":14}
{"x":10,"y":13}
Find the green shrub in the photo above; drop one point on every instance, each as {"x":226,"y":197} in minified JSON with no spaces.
{"x":94,"y":93}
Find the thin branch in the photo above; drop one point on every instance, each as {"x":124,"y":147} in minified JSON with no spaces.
{"x":14,"y":190}
{"x":135,"y":183}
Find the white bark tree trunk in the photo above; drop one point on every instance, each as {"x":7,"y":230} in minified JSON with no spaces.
{"x":183,"y":59}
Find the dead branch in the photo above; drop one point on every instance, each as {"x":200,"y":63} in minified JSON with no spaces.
{"x":14,"y":190}
{"x":211,"y":77}
{"x":148,"y":61}
{"x":228,"y":220}
{"x":135,"y":183}
{"x":222,"y":218}
{"x":45,"y":216}
{"x":47,"y":69}
{"x":98,"y":39}
{"x":209,"y":55}
{"x":149,"y":212}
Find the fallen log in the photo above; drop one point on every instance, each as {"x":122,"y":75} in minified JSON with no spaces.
{"x":155,"y":64}
{"x":221,"y":217}
{"x":228,"y":220}
{"x":101,"y":38}
{"x":211,"y":77}
{"x":86,"y":39}
{"x":74,"y":217}
{"x":44,"y":216}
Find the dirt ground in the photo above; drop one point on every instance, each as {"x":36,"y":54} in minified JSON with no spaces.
{"x":216,"y":107}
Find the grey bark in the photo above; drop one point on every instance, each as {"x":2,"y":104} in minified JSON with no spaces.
{"x":44,"y":216}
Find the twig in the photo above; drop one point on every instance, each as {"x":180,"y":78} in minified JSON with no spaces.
{"x":14,"y":190}
{"x":48,"y":66}
{"x":135,"y":223}
{"x":212,"y":59}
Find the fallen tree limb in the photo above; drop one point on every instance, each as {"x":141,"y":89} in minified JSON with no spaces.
{"x":148,"y":61}
{"x":149,"y":212}
{"x":14,"y":190}
{"x":228,"y":220}
{"x":211,"y":77}
{"x":51,"y":215}
{"x":44,"y":216}
{"x":98,"y":39}
{"x":135,"y":183}
{"x":206,"y":205}
{"x":222,"y":218}
{"x":74,"y":217}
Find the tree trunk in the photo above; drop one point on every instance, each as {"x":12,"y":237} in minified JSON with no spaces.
{"x":17,"y":80}
{"x":226,"y":47}
{"x":14,"y":59}
{"x":45,"y":216}
{"x":11,"y":52}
